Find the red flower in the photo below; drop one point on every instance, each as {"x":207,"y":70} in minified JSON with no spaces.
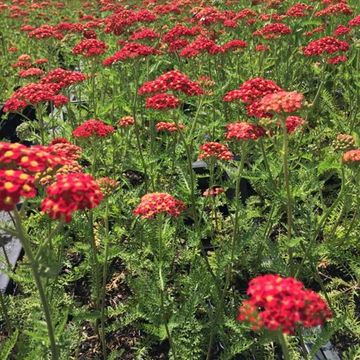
{"x":273,"y":30}
{"x":144,"y":33}
{"x":252,"y":90}
{"x":30,"y":72}
{"x":93,"y":128}
{"x":293,"y":123}
{"x":171,"y":80}
{"x":215,"y":150}
{"x":107,"y":185}
{"x":337,"y":59}
{"x":70,"y":193}
{"x":46,"y":31}
{"x":13,"y":185}
{"x":298,"y":10}
{"x":234,"y":44}
{"x":282,"y":102}
{"x":341,"y":30}
{"x":340,"y":8}
{"x":244,"y":131}
{"x":352,"y":157}
{"x":162,"y":102}
{"x":130,"y":51}
{"x":278,"y":303}
{"x":157,"y":203}
{"x":199,"y":45}
{"x":126,"y":121}
{"x":63,"y":78}
{"x":214,"y":191}
{"x":66,"y":150}
{"x":327,"y":44}
{"x":169,"y":127}
{"x":355,"y":21}
{"x":34,"y":94}
{"x":89,"y":48}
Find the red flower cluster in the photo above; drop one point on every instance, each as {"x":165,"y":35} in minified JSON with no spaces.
{"x":215,"y":150}
{"x":31,"y":72}
{"x":327,"y":44}
{"x":282,"y":102}
{"x":144,"y":33}
{"x":157,"y":203}
{"x":352,"y":157}
{"x":34,"y":94}
{"x":274,"y":30}
{"x":30,"y":160}
{"x":214,"y":191}
{"x":45,"y":32}
{"x":123,"y":18}
{"x":337,"y":59}
{"x":126,"y":121}
{"x":13,"y":185}
{"x":63,"y":78}
{"x":199,"y":45}
{"x":340,"y":8}
{"x":178,"y":31}
{"x":89,"y":48}
{"x":244,"y":131}
{"x":70,"y":193}
{"x":169,"y":127}
{"x":341,"y":30}
{"x":355,"y":21}
{"x":278,"y":303}
{"x":298,"y":10}
{"x":251,"y":92}
{"x":172,"y":80}
{"x":233,"y":45}
{"x":93,"y":128}
{"x":294,"y":122}
{"x":162,"y":102}
{"x":130,"y":51}
{"x":65,"y":150}
{"x":107,"y":185}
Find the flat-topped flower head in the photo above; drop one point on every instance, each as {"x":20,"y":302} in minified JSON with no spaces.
{"x":215,"y":150}
{"x":252,"y":90}
{"x":169,"y":127}
{"x":282,"y":102}
{"x":244,"y":131}
{"x":13,"y":185}
{"x":89,"y":48}
{"x":126,"y":121}
{"x":352,"y":157}
{"x":107,"y":185}
{"x":278,"y":303}
{"x":93,"y":128}
{"x":70,"y":193}
{"x":159,"y":203}
{"x":162,"y":102}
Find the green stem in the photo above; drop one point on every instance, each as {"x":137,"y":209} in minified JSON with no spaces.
{"x":162,"y":286}
{"x":288,"y":190}
{"x":284,"y":346}
{"x":106,"y":251}
{"x":243,"y":149}
{"x":43,"y":298}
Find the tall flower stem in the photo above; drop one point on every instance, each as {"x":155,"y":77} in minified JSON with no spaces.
{"x":104,"y":276}
{"x":243,"y":150}
{"x":43,"y":298}
{"x":289,"y":202}
{"x":160,"y":222}
{"x":284,"y":346}
{"x":222,"y":296}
